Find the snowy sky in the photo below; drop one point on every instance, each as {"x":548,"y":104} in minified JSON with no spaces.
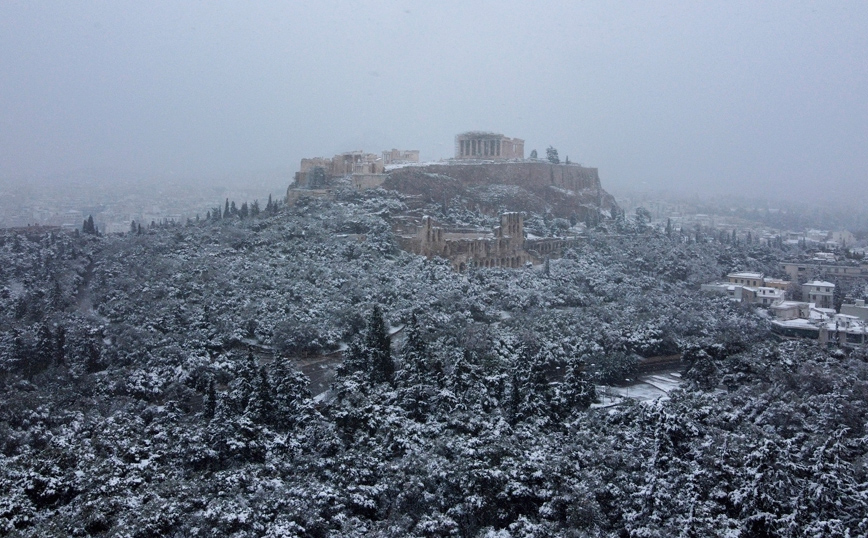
{"x":766,"y":97}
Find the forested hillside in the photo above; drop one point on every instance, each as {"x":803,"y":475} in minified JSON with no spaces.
{"x":148,"y":387}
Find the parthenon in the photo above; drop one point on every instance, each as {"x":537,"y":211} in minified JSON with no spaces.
{"x":491,"y":146}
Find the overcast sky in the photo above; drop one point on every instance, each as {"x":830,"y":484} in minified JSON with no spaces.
{"x":696,"y":96}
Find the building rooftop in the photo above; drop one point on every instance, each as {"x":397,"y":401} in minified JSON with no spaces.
{"x":745,"y":275}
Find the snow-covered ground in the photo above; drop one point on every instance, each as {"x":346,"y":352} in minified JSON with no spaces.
{"x":647,"y":387}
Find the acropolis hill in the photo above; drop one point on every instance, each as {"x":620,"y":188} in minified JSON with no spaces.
{"x":488,"y":175}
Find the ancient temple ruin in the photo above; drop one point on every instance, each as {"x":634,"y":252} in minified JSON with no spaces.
{"x":489,"y":146}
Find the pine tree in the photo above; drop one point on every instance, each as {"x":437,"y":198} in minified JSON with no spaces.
{"x":356,"y":358}
{"x":552,"y":155}
{"x":269,"y":207}
{"x":577,"y":391}
{"x":534,"y":155}
{"x":226,"y":209}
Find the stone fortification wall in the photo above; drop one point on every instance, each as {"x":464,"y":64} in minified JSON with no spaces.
{"x":526,"y":174}
{"x":566,"y":190}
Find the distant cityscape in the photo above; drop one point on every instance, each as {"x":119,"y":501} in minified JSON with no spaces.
{"x":115,"y":204}
{"x":115,"y":201}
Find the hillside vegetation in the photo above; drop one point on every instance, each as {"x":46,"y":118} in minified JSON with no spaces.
{"x":148,"y":387}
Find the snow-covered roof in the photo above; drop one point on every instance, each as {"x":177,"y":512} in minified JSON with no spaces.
{"x":790,"y":304}
{"x":745,"y":275}
{"x":819,"y":283}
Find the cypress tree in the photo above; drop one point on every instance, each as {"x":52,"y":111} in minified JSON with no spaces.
{"x":513,"y":404}
{"x":56,"y":296}
{"x":260,"y":406}
{"x":93,"y":357}
{"x":210,"y":400}
{"x":243,"y":392}
{"x":291,"y":395}
{"x":414,"y":354}
{"x":88,"y":227}
{"x":42,"y":356}
{"x":60,"y":345}
{"x":379,"y":348}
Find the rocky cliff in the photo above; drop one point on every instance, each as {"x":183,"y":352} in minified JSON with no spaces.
{"x":563,"y":190}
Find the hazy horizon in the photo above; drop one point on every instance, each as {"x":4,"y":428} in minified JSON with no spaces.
{"x":706,"y":98}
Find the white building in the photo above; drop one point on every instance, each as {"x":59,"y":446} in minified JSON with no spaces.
{"x":767,"y":296}
{"x":857,"y":309}
{"x":820,"y":292}
{"x":749,"y":287}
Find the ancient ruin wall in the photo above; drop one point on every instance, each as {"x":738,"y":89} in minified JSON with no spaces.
{"x":526,"y":174}
{"x":567,"y":189}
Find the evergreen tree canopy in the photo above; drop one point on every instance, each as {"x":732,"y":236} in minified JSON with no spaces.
{"x":552,"y":155}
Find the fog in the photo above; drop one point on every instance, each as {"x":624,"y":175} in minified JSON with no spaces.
{"x":729,"y":97}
